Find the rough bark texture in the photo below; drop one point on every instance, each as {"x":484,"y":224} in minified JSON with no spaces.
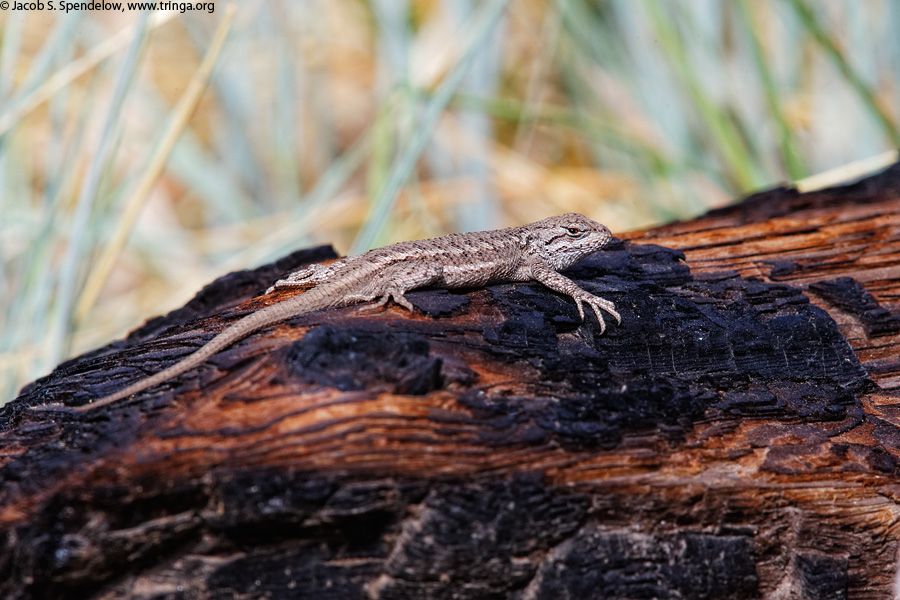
{"x":736,"y":437}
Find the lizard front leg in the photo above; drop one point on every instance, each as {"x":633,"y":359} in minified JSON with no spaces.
{"x":559,"y":283}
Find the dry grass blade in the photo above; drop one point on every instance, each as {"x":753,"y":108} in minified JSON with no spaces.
{"x":74,"y":70}
{"x":177,"y":122}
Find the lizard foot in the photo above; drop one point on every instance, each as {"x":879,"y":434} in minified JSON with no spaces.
{"x":315,"y":273}
{"x":597,"y":304}
{"x":395,"y":295}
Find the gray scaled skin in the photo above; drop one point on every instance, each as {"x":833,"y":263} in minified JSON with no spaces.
{"x":535,"y":252}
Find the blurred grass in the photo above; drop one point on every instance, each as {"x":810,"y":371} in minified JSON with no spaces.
{"x":361,"y":122}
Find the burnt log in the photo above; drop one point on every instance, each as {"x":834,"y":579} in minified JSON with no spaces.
{"x":735,"y":437}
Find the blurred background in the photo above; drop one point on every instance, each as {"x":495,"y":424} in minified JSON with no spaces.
{"x":144,"y":154}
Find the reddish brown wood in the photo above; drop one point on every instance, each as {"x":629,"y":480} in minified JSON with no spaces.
{"x":728,"y":440}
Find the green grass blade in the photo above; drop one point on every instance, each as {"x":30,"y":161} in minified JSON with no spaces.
{"x":790,"y":152}
{"x":837,"y":56}
{"x":383,"y":203}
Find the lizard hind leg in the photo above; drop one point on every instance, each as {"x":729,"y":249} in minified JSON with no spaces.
{"x":396,"y":280}
{"x":315,"y":273}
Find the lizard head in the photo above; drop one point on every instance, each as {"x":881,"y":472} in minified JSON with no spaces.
{"x":568,"y":238}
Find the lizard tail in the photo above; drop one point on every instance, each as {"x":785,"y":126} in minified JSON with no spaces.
{"x":311,"y":300}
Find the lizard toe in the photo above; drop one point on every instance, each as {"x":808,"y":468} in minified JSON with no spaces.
{"x":598,"y":312}
{"x":579,"y":304}
{"x":616,"y":315}
{"x":607,"y":306}
{"x":368,"y":307}
{"x":400,"y":299}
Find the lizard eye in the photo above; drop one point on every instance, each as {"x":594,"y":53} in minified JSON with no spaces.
{"x":574,"y":231}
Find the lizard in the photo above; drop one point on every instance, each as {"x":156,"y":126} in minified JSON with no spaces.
{"x":534,"y":252}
